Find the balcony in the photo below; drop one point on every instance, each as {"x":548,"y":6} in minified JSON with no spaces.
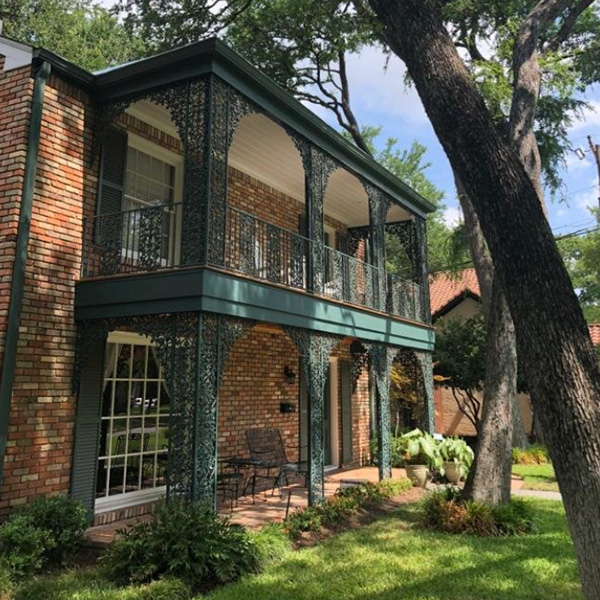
{"x":148,"y":239}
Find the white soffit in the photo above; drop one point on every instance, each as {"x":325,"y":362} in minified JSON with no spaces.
{"x":17,"y":55}
{"x":262,"y":149}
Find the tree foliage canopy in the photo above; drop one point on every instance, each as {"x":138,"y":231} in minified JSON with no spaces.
{"x":78,"y":30}
{"x":582,"y":258}
{"x":485,"y":31}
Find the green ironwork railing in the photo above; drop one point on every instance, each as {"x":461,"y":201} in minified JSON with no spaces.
{"x":149,"y":238}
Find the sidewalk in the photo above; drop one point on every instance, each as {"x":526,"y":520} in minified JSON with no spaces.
{"x":538,"y":494}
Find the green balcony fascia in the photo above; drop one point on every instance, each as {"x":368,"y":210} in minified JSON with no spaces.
{"x":209,"y":290}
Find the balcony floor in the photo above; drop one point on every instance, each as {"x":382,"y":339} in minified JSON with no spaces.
{"x":266,"y":509}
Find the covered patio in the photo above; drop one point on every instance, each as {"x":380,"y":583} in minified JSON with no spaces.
{"x":266,"y":507}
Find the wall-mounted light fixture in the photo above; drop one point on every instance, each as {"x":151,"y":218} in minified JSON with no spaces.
{"x":289,"y":373}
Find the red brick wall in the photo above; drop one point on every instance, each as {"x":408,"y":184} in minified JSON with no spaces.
{"x":40,"y":436}
{"x":254,"y":385}
{"x":16,"y":89}
{"x":42,"y":417}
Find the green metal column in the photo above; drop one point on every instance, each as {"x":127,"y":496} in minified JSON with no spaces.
{"x":315,"y":350}
{"x":381,"y":363}
{"x":426,"y":363}
{"x":378,"y":209}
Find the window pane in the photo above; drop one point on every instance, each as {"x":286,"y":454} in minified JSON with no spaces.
{"x":115,"y":477}
{"x":153,"y":369}
{"x":121,"y":398}
{"x":118,"y":438}
{"x":123,"y":360}
{"x":148,"y":467}
{"x":139,"y":362}
{"x":132,"y":477}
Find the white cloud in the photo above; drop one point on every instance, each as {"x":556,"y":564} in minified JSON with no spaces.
{"x":574,"y":163}
{"x":452,"y":216}
{"x":587,"y":199}
{"x":590,"y":119}
{"x":378,"y":89}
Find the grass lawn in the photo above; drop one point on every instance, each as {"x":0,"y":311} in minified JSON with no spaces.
{"x":537,"y":477}
{"x":390,"y":559}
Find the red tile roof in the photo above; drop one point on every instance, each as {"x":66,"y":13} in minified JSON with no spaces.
{"x":595,"y":333}
{"x":443,"y":289}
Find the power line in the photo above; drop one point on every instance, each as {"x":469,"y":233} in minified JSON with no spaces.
{"x":565,"y":236}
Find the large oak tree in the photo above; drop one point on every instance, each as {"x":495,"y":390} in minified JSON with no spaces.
{"x":561,"y":367}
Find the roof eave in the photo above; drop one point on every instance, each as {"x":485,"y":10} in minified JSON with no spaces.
{"x":213,"y":55}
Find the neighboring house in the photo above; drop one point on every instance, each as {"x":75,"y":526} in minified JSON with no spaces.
{"x":459,"y":298}
{"x":188,"y":253}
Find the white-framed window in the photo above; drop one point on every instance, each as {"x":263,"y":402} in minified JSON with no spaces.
{"x":152,"y":178}
{"x":134,"y":432}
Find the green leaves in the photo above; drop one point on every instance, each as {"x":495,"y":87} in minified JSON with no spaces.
{"x":459,"y":353}
{"x":79,"y":30}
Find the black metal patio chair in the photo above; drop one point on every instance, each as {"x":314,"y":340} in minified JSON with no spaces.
{"x":266,"y":447}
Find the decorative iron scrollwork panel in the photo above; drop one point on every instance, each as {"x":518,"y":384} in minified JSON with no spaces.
{"x":381,"y":359}
{"x":426,"y":364}
{"x":315,"y":349}
{"x":379,"y":205}
{"x":321,"y":167}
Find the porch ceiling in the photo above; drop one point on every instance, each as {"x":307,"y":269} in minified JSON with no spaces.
{"x":262,"y":149}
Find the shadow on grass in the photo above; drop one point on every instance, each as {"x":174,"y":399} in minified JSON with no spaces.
{"x":390,"y":559}
{"x":394,"y":559}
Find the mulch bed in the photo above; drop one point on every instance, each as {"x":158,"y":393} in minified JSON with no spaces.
{"x":364,"y":516}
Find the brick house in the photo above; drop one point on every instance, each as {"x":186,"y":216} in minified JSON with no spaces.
{"x":188,"y":253}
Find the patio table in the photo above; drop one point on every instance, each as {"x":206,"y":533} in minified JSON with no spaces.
{"x":240,"y":463}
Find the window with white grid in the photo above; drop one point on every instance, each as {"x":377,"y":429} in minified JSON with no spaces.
{"x":134,"y":421}
{"x":149,"y":181}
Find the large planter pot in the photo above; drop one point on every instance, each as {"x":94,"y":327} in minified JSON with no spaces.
{"x":418,"y":474}
{"x":452,"y":471}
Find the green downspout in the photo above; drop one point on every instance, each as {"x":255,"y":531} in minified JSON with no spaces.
{"x":9,"y":362}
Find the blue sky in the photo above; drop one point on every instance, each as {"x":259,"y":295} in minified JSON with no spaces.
{"x":380,"y":97}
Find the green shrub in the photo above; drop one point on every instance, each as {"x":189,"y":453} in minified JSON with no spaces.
{"x":536,"y":454}
{"x":345,"y":503}
{"x":64,"y":519}
{"x":303,"y":520}
{"x":444,"y":510}
{"x":168,"y":588}
{"x":7,"y":586}
{"x":272,"y":544}
{"x":89,"y":584}
{"x":23,"y":546}
{"x":42,"y":534}
{"x":515,"y":518}
{"x":478,"y":519}
{"x":186,"y":541}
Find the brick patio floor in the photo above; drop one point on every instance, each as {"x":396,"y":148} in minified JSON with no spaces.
{"x":267,"y":507}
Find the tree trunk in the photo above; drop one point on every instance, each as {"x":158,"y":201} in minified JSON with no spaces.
{"x":489,"y":477}
{"x":560,"y":362}
{"x":493,"y":452}
{"x":519,"y":434}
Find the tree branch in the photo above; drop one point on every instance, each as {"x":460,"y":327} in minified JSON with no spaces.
{"x":567,"y":25}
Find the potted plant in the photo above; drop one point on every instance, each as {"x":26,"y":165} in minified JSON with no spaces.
{"x":457,"y":457}
{"x":420,"y":454}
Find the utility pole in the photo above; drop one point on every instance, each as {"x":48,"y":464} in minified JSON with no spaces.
{"x":595,"y":148}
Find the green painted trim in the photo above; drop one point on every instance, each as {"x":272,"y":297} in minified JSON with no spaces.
{"x":214,"y":56}
{"x":213,"y":291}
{"x":11,"y":340}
